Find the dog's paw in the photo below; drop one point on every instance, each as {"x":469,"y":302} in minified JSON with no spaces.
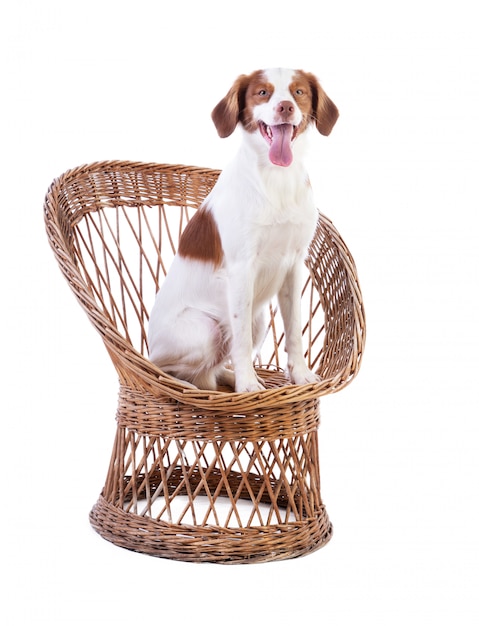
{"x":303,"y":376}
{"x":256,"y":386}
{"x":251,"y":385}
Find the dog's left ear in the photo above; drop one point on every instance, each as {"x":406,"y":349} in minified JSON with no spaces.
{"x":325,"y":112}
{"x":226,"y":113}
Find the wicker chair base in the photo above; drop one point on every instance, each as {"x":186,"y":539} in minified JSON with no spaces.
{"x":210,"y":544}
{"x":211,"y":498}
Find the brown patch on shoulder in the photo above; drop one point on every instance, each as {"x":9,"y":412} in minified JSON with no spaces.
{"x":201,"y":239}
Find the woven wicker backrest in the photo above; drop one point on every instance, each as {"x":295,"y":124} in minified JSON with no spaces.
{"x":114,"y":228}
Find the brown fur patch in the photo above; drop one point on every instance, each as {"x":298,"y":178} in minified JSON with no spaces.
{"x":201,"y":240}
{"x":324,"y":111}
{"x":231,"y":109}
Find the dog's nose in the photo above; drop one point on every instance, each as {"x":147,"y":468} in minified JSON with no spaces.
{"x":285,"y":109}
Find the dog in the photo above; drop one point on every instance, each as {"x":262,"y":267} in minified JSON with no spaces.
{"x":248,"y":240}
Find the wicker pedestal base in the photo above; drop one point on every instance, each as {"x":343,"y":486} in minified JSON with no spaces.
{"x":210,"y":544}
{"x":216,"y":491}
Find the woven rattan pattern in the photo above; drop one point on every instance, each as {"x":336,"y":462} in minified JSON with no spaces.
{"x":114,"y":228}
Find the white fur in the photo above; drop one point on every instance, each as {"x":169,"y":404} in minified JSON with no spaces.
{"x":265,"y":214}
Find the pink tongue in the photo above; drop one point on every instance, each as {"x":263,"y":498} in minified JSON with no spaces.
{"x":280,"y":151}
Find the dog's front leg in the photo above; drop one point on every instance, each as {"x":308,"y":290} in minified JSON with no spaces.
{"x":289,"y":298}
{"x":240,"y":298}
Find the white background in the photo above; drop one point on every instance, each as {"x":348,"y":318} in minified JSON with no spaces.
{"x":92,"y":80}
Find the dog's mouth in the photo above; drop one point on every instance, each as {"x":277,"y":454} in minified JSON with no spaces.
{"x":280,"y":138}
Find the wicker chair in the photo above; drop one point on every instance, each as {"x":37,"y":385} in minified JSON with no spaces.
{"x":199,"y":475}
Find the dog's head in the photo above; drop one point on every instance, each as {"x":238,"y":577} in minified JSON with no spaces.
{"x":277,"y":104}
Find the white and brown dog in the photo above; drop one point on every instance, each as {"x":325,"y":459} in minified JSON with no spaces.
{"x":247,"y":242}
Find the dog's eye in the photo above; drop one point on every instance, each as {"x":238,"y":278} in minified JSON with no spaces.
{"x":299,"y":92}
{"x":262,"y":92}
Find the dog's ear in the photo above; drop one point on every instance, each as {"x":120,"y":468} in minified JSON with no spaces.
{"x":325,"y":112}
{"x":226,"y":113}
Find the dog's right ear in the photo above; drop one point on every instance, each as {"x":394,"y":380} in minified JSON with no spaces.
{"x":226,"y":113}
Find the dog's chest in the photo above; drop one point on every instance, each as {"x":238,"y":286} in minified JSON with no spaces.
{"x":281,"y":243}
{"x":283,"y":222}
{"x":279,"y":248}
{"x":250,"y":203}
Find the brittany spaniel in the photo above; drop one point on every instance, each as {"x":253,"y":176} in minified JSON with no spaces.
{"x":247,"y":242}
